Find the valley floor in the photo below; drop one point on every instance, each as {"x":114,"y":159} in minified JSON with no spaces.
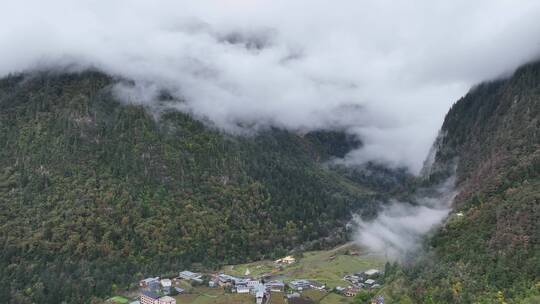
{"x":327,"y":267}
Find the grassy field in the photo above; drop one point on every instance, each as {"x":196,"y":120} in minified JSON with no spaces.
{"x":205,"y":295}
{"x":333,"y":298}
{"x":256,"y":268}
{"x":218,"y":296}
{"x":277,"y":298}
{"x":326,"y":297}
{"x":118,"y":300}
{"x":328,"y":266}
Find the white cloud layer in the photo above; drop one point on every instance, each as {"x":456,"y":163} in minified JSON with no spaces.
{"x":384,"y":70}
{"x":399,"y":228}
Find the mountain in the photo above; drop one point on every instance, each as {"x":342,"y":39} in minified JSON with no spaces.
{"x":95,"y":193}
{"x":489,"y":250}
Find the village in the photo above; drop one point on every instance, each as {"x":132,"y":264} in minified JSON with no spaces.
{"x":266,"y":283}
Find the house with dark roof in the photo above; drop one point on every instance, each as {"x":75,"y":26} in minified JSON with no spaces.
{"x":144,"y":283}
{"x":190,"y":276}
{"x":300,"y":284}
{"x":149,"y":297}
{"x":275,"y":286}
{"x":306,"y":284}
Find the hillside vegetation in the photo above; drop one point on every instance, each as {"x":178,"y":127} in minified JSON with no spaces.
{"x":491,"y":254}
{"x":96,"y":194}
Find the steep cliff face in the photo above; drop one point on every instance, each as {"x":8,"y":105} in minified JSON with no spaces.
{"x":489,"y":250}
{"x":492,"y":129}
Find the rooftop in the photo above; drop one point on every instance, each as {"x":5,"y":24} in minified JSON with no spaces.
{"x":148,"y":280}
{"x":189,"y":274}
{"x":242,"y":287}
{"x":302,"y":281}
{"x":288,"y":259}
{"x":259,"y":290}
{"x":150,"y":294}
{"x":371,"y":272}
{"x":167,"y":299}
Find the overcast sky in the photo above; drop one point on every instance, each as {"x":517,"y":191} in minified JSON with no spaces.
{"x":385,"y":70}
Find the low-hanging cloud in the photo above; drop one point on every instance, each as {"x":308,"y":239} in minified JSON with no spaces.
{"x":400,"y":227}
{"x":385,"y":71}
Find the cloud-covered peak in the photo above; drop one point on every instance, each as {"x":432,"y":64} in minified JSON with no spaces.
{"x":384,"y":71}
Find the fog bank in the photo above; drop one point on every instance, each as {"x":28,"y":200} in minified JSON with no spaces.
{"x":385,"y":71}
{"x":400,"y":227}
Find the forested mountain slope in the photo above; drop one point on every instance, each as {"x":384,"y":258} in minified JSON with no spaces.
{"x":491,"y":254}
{"x":95,"y":194}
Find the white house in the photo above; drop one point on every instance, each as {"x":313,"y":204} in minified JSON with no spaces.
{"x":369,"y":282}
{"x":242,"y":289}
{"x":371,"y":272}
{"x":146,"y":282}
{"x":286,"y":260}
{"x":166,"y":283}
{"x":167,"y":300}
{"x":260,"y":293}
{"x":252,"y":283}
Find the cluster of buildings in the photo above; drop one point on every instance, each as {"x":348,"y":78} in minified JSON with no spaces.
{"x":156,"y":291}
{"x":301,"y":285}
{"x":244,"y":285}
{"x":260,"y":289}
{"x":155,"y":284}
{"x":366,"y":279}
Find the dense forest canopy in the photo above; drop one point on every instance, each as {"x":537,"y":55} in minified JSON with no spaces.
{"x":96,"y":194}
{"x":490,"y":254}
